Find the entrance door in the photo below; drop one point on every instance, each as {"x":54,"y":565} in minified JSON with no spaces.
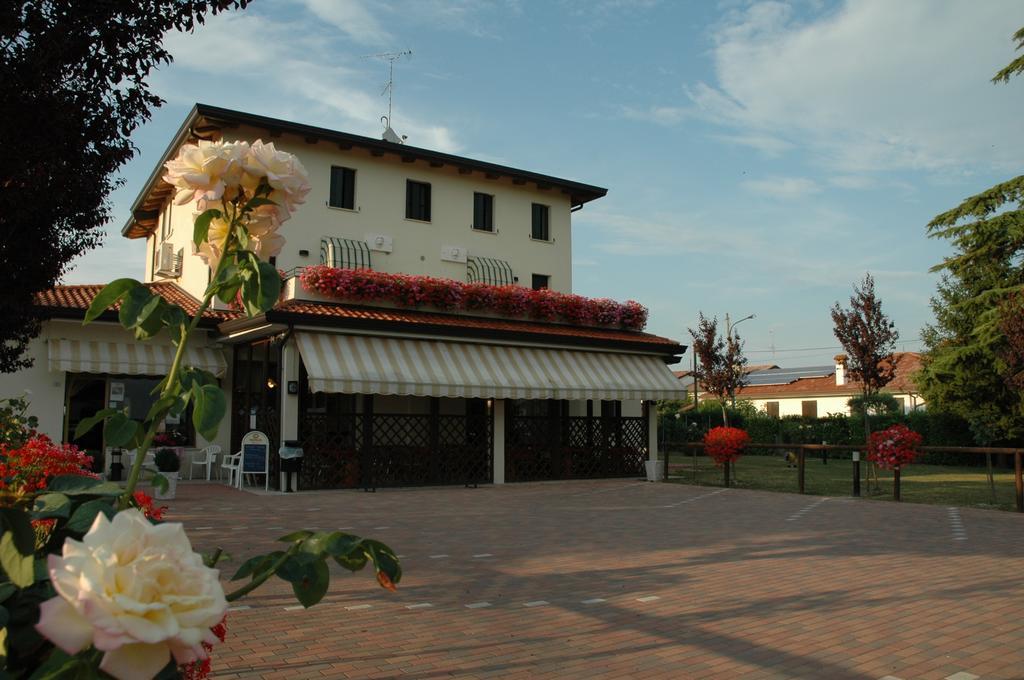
{"x":86,"y":394}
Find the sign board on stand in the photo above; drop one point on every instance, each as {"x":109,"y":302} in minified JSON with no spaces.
{"x":255,"y":457}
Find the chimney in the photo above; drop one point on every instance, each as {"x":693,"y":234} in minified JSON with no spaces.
{"x":840,"y":360}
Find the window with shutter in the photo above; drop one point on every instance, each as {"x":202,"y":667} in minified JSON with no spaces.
{"x":343,"y":188}
{"x":417,"y":200}
{"x":483,"y":212}
{"x":540,"y":230}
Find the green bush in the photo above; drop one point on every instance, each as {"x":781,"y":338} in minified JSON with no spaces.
{"x":167,"y":461}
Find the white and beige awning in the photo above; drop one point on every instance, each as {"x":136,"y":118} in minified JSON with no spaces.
{"x":140,"y":358}
{"x":354,"y":364}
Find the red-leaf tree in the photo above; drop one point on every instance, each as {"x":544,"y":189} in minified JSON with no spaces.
{"x":869,"y":338}
{"x":721,"y":370}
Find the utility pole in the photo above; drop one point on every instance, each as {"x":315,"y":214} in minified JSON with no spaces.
{"x":729,"y":326}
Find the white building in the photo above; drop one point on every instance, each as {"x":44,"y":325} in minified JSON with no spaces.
{"x":816,"y":392}
{"x":378,"y":394}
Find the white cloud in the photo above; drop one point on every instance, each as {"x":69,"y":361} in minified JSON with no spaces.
{"x":662,"y":115}
{"x":351,"y":17}
{"x":786,"y":188}
{"x":873,"y":85}
{"x":314,"y":85}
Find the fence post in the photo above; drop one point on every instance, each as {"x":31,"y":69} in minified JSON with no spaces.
{"x":725,"y":466}
{"x":896,"y":484}
{"x":1018,"y":475}
{"x":800,"y":468}
{"x":856,"y":474}
{"x":664,"y":477}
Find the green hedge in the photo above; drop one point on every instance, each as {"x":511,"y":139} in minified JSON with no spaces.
{"x":938,"y":429}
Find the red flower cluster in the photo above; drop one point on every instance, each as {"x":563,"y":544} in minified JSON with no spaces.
{"x":894,"y":447}
{"x":725,"y":444}
{"x":366,"y":285}
{"x":198,"y":670}
{"x":144,"y":502}
{"x":27,"y":469}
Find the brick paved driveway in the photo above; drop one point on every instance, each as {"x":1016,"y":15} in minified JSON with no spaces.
{"x":621,"y":578}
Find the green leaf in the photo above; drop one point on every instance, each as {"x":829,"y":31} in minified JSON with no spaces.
{"x":159,"y":482}
{"x":88,"y":423}
{"x":339,"y":544}
{"x":83,"y":517}
{"x":18,"y":524}
{"x":257,"y":201}
{"x":208,"y":409}
{"x":132,"y":305}
{"x":119,"y":430}
{"x":354,"y":561}
{"x":202,"y":228}
{"x":17,"y":565}
{"x":160,"y":407}
{"x":6,"y":590}
{"x":256,"y":565}
{"x":176,"y":322}
{"x":297,"y":567}
{"x":311,"y":589}
{"x":77,"y":485}
{"x":296,"y":536}
{"x":385,"y":559}
{"x":110,"y":294}
{"x":151,"y":318}
{"x":51,"y":505}
{"x":270,"y":286}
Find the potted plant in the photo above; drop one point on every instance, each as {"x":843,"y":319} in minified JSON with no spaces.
{"x":168,"y":463}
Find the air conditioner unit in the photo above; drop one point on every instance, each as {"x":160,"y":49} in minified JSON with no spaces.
{"x":169,"y":264}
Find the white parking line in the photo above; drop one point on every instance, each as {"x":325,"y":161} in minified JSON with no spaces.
{"x":239,"y":608}
{"x":422,"y":605}
{"x":294,"y":607}
{"x":649,"y":598}
{"x":594,"y":600}
{"x":962,"y":675}
{"x":438,"y":557}
{"x":695,"y":498}
{"x":956,"y":526}
{"x":806,"y":509}
{"x":478,"y":605}
{"x":355,"y":607}
{"x":483,"y":555}
{"x":536,"y":603}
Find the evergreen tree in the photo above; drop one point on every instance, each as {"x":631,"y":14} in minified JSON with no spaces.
{"x":965,"y":367}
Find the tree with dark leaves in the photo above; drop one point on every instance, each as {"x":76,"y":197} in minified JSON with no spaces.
{"x":869,"y":339}
{"x":722,"y":367}
{"x":72,"y":90}
{"x":964,"y":370}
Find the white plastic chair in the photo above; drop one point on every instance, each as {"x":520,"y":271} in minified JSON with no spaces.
{"x":233,"y":465}
{"x":204,"y":458}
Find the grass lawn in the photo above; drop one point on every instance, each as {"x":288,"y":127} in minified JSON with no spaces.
{"x":935,"y":484}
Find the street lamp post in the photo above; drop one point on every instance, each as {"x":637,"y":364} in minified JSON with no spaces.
{"x":729,"y":326}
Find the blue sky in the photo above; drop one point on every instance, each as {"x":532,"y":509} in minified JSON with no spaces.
{"x":760,"y":156}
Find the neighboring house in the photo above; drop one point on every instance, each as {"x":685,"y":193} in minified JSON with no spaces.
{"x":817,"y":391}
{"x":686,"y":377}
{"x":378,"y":395}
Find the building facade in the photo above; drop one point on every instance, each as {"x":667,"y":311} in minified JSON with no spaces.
{"x":375,"y":393}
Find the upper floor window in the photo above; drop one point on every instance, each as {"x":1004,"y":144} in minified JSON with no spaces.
{"x":417,"y":200}
{"x":772,"y":408}
{"x":809,"y":409}
{"x":343,"y":188}
{"x":166,"y":227}
{"x":541,"y":231}
{"x":483,"y":212}
{"x":541,"y":281}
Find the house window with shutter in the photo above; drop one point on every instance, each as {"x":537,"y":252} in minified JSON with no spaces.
{"x":772,"y":408}
{"x":343,"y":188}
{"x":809,"y":409}
{"x":483,"y":212}
{"x":541,"y":230}
{"x":417,"y":200}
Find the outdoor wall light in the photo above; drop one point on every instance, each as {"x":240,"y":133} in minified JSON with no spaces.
{"x":303,"y":253}
{"x":293,"y":387}
{"x":271,"y":383}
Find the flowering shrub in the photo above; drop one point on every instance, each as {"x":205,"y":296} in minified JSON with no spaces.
{"x":894,"y":447}
{"x":725,"y":444}
{"x":133,"y":600}
{"x":366,"y":285}
{"x":27,"y":469}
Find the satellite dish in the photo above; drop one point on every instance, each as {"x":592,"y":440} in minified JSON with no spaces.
{"x":389,"y":134}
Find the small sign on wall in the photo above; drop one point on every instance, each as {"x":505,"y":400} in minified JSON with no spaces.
{"x":117,"y":391}
{"x":453,"y":254}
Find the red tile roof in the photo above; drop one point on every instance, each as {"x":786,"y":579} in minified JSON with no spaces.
{"x":80,"y":297}
{"x":907,"y":364}
{"x":417,"y":320}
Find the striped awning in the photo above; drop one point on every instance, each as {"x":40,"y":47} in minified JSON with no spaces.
{"x":142,"y":358}
{"x":489,"y":270}
{"x":354,"y":364}
{"x":344,"y":253}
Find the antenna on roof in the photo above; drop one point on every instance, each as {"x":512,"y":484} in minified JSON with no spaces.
{"x":391,"y":57}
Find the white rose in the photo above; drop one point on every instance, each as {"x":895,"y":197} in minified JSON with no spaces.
{"x":212,"y":249}
{"x":204,"y":171}
{"x":282,"y":170}
{"x":135,"y":591}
